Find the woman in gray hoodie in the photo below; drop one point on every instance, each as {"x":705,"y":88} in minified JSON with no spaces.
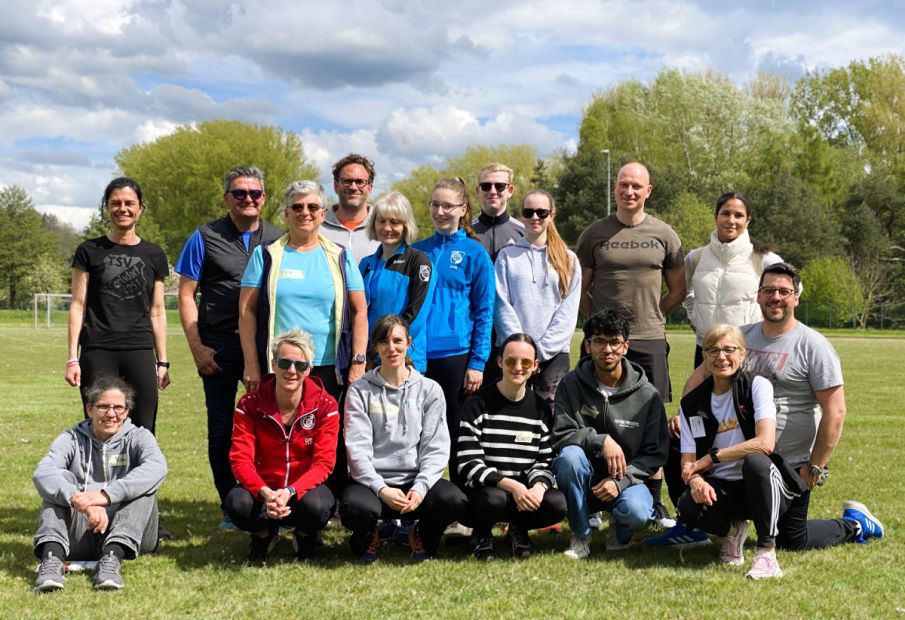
{"x":99,"y":484}
{"x":398,"y":447}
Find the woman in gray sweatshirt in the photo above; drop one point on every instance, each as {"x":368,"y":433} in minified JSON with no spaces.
{"x":398,"y":447}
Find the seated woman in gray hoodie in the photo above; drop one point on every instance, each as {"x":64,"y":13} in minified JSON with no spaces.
{"x":99,"y":484}
{"x":398,"y":447}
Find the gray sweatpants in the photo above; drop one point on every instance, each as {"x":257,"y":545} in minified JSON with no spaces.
{"x":132,"y":524}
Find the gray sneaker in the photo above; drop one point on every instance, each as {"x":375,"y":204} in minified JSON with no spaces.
{"x":50,"y":575}
{"x":109,"y":575}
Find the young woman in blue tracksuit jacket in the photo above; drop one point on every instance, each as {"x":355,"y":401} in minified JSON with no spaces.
{"x":398,"y":278}
{"x":461,"y":314}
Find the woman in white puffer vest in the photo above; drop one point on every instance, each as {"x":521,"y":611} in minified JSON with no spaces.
{"x":722,"y":277}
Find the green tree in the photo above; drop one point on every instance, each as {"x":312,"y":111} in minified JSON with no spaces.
{"x":181,"y":174}
{"x":691,"y":219}
{"x":522,"y":158}
{"x":831,"y":285}
{"x":24,"y":242}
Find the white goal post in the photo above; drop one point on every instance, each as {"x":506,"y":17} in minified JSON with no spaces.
{"x":51,"y":310}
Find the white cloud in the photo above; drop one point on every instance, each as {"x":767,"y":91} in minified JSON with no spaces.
{"x":154,"y":128}
{"x":77,"y":217}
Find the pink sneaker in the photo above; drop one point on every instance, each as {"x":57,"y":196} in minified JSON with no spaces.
{"x":764,"y":566}
{"x":731,"y":552}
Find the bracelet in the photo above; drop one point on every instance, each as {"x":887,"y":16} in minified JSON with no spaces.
{"x":73,"y":362}
{"x":163,"y":364}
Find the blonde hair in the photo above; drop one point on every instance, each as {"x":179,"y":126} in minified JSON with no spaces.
{"x":397,"y":208}
{"x":557,"y":252}
{"x":458,"y":186}
{"x":296,"y":337}
{"x":719,"y":332}
{"x":497,"y":167}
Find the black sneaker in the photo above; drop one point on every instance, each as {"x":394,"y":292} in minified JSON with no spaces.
{"x":260,"y":548}
{"x":483,"y":549}
{"x":109,"y":575}
{"x":50,"y":575}
{"x":519,"y":542}
{"x":304,"y":545}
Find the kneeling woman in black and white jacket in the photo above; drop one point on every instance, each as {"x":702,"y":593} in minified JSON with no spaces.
{"x":504,"y":455}
{"x":728,"y":431}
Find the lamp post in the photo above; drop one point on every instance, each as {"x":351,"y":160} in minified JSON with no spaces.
{"x":609,"y":188}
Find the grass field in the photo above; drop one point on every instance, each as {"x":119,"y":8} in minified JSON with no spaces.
{"x":199,"y":573}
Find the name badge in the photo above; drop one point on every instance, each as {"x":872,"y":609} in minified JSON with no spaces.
{"x":697,"y":426}
{"x":523,"y":437}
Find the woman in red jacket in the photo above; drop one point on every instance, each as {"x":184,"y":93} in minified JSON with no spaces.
{"x":283,"y":450}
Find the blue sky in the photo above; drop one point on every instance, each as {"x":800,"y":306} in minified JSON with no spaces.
{"x":405,"y":83}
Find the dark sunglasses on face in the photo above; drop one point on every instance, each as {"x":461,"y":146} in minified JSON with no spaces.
{"x":312,"y":207}
{"x":499,"y":187}
{"x":540,"y":213}
{"x":242,"y":194}
{"x":525,"y":363}
{"x":285,"y":364}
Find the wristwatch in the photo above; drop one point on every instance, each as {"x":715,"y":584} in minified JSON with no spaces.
{"x":358,"y":359}
{"x":814,"y":470}
{"x":712,"y":454}
{"x":292,"y":491}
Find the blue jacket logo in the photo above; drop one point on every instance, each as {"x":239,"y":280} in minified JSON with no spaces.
{"x":456,"y":256}
{"x":424,"y":272}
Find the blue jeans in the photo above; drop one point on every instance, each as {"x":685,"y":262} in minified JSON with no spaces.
{"x":575,"y":477}
{"x":220,"y":397}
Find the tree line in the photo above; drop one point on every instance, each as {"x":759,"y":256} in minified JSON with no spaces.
{"x":822,"y":160}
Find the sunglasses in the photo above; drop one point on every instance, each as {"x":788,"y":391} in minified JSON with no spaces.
{"x":540,"y":213}
{"x":312,"y":207}
{"x":242,"y":194}
{"x":285,"y":364}
{"x":499,"y":187}
{"x":525,"y":363}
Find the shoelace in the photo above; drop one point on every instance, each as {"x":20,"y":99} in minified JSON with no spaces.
{"x":108,"y":563}
{"x":51,"y":566}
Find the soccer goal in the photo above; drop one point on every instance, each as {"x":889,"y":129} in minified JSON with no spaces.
{"x":51,"y":310}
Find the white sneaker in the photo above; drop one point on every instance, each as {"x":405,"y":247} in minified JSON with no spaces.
{"x":595,"y":521}
{"x":764,"y":566}
{"x":731,"y":552}
{"x":579,"y":548}
{"x":457,"y":530}
{"x":612,"y":541}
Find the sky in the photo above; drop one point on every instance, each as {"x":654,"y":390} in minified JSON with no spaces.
{"x":404,"y":83}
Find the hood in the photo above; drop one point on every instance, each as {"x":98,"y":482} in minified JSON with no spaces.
{"x":633,"y":374}
{"x":83,"y":429}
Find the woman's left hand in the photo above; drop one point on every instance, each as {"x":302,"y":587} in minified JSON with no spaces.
{"x":414,"y":500}
{"x":473,"y":381}
{"x":356,"y":372}
{"x":702,"y":492}
{"x":163,"y":377}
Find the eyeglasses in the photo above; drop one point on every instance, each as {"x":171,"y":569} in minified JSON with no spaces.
{"x":540,"y":213}
{"x":242,"y":194}
{"x":499,"y":187}
{"x":347,"y":182}
{"x":768,"y":291}
{"x":715,"y":351}
{"x":284,"y":363}
{"x":444,"y":206}
{"x":106,"y":407}
{"x":525,"y":363}
{"x":311,"y":207}
{"x":612,"y":344}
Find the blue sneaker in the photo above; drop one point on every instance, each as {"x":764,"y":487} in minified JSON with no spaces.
{"x":870,"y":525}
{"x":679,"y":537}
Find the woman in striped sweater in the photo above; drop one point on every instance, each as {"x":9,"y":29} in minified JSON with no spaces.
{"x":504,"y":455}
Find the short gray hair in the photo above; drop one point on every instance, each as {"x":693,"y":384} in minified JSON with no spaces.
{"x":242,"y":171}
{"x":296,"y":337}
{"x":108,"y":382}
{"x":303,"y":188}
{"x":394,"y":206}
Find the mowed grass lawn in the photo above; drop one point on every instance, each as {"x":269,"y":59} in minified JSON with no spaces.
{"x":199,"y":572}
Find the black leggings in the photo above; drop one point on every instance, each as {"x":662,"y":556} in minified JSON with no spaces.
{"x":308,"y":513}
{"x":137,"y":367}
{"x":488,"y":506}
{"x":449,"y":372}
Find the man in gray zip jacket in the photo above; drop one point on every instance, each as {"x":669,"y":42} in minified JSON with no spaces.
{"x":99,"y":483}
{"x":609,"y":429}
